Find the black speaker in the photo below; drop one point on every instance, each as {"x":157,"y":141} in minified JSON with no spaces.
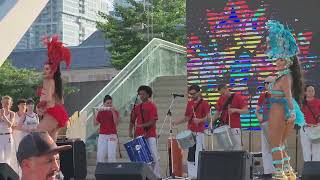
{"x":7,"y":173}
{"x":224,"y":165}
{"x":311,"y":170}
{"x":73,"y":162}
{"x":124,"y":171}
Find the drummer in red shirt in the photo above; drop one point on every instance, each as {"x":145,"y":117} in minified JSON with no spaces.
{"x":311,"y":111}
{"x":233,"y":104}
{"x":197,"y":112}
{"x":143,"y":118}
{"x":108,"y":118}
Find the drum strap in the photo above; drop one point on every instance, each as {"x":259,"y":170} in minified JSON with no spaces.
{"x":132,"y":113}
{"x":146,"y":129}
{"x":195,"y":109}
{"x":228,"y":101}
{"x":225,"y":105}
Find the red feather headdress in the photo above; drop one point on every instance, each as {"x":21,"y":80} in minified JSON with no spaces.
{"x":57,"y":52}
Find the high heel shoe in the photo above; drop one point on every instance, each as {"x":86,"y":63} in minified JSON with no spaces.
{"x":291,"y":175}
{"x":279,"y":175}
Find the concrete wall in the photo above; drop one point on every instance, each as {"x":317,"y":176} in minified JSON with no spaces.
{"x":87,"y":91}
{"x":89,"y":75}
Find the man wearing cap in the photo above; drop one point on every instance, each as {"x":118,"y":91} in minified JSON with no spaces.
{"x":38,"y":156}
{"x":263,"y":107}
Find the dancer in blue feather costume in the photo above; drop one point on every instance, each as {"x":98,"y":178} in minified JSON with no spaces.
{"x":286,"y":92}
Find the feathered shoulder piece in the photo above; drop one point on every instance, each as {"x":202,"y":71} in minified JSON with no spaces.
{"x":281,"y":43}
{"x":57,"y":52}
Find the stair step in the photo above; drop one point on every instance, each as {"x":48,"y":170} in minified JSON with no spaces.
{"x":177,"y":100}
{"x":182,"y":83}
{"x":170,"y":89}
{"x":176,"y":89}
{"x":170,"y":78}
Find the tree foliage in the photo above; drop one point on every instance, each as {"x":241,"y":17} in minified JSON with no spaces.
{"x":18,"y":83}
{"x":131,"y":26}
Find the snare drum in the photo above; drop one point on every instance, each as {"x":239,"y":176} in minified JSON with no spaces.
{"x":186,"y":139}
{"x":224,"y":137}
{"x":314,"y":134}
{"x":138,"y":150}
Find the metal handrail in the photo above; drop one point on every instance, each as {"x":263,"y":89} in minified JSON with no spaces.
{"x":150,"y":54}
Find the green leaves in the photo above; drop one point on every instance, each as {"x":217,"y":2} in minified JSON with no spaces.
{"x":129,"y":29}
{"x":10,"y":75}
{"x":18,"y":83}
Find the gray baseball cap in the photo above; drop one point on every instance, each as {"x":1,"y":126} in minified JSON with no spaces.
{"x":37,"y":144}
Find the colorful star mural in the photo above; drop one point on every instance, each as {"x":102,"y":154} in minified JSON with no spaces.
{"x":228,"y":46}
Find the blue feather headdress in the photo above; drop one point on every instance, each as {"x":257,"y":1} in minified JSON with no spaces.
{"x":281,"y":43}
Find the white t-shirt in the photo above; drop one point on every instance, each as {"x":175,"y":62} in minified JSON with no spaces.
{"x":30,"y":122}
{"x":16,"y":119}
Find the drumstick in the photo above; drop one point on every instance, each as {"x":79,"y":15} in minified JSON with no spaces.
{"x":211,"y":129}
{"x":119,"y":150}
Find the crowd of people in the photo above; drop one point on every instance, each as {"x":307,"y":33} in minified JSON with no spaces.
{"x":14,"y":126}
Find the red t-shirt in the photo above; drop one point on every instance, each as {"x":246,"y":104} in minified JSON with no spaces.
{"x":202,"y":110}
{"x":315,"y":107}
{"x":237,"y":102}
{"x":149,"y":111}
{"x":107,"y":125}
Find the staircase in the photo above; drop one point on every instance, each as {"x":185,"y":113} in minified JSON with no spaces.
{"x":161,"y":65}
{"x":162,"y":89}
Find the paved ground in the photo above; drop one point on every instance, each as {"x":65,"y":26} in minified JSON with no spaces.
{"x":254,"y":178}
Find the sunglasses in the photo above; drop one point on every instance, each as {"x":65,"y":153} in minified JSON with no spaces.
{"x":266,"y":82}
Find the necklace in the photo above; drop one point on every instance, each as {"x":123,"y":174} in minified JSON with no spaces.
{"x":280,"y":73}
{"x":283,"y":72}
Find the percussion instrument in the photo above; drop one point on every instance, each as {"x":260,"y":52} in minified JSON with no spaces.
{"x":176,"y":158}
{"x":224,"y":137}
{"x":186,"y":139}
{"x":314,"y":134}
{"x":138,"y":150}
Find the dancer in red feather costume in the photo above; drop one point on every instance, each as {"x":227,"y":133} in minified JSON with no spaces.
{"x":51,"y":93}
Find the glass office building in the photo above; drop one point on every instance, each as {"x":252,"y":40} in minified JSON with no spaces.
{"x":72,"y":20}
